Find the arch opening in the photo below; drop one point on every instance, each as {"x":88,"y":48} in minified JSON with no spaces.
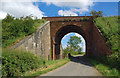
{"x":61,"y":33}
{"x":81,"y":46}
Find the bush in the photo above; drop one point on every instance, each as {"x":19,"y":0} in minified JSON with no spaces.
{"x":66,"y":20}
{"x":16,"y":63}
{"x":81,"y":19}
{"x":74,"y":19}
{"x":70,"y":19}
{"x":14,"y":28}
{"x":114,"y":60}
{"x":109,"y":29}
{"x":85,"y":19}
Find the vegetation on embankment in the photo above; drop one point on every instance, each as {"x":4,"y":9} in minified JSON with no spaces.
{"x":50,"y":65}
{"x":0,"y":23}
{"x":20,"y":63}
{"x":15,"y":29}
{"x":16,"y":63}
{"x":104,"y":69}
{"x":110,"y":31}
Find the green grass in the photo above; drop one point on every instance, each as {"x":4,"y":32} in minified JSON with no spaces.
{"x":0,"y":43}
{"x":21,"y":63}
{"x":16,"y":63}
{"x":14,"y":29}
{"x":39,"y":22}
{"x":13,"y":41}
{"x":104,"y":69}
{"x":77,"y":53}
{"x":109,"y":65}
{"x":51,"y":65}
{"x":110,"y":31}
{"x":109,"y":28}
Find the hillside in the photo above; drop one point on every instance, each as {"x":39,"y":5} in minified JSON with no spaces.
{"x":109,"y":29}
{"x":14,"y":29}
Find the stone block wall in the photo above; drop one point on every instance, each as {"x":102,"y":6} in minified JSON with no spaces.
{"x":38,"y":43}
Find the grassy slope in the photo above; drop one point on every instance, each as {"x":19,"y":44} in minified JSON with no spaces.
{"x":104,"y":69}
{"x":50,"y":65}
{"x":17,"y":62}
{"x":0,"y":45}
{"x":27,"y":64}
{"x":109,"y":29}
{"x":34,"y":71}
{"x":0,"y":34}
{"x":13,"y":41}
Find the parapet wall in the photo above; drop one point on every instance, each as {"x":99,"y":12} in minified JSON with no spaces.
{"x":76,"y":18}
{"x":38,"y":43}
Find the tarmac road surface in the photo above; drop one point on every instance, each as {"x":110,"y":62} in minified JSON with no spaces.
{"x":78,"y":66}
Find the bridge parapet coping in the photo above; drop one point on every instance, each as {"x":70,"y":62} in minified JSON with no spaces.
{"x":68,"y":18}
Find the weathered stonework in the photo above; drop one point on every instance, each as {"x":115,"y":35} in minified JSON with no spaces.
{"x":38,"y":43}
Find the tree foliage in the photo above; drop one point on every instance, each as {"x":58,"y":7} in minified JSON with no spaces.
{"x":110,"y":30}
{"x":14,"y":28}
{"x":96,"y":14}
{"x":16,"y":63}
{"x":73,"y":45}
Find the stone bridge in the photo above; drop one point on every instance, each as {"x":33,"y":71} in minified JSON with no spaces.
{"x":47,"y":40}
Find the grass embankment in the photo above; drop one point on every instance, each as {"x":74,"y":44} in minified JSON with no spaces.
{"x":110,"y":65}
{"x":20,"y":63}
{"x":14,"y":29}
{"x":103,"y":68}
{"x":16,"y":63}
{"x":50,"y":65}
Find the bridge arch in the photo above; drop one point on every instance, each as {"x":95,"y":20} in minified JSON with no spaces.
{"x":49,"y":35}
{"x":95,"y":43}
{"x":62,"y":32}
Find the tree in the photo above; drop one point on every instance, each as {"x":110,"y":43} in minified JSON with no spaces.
{"x":73,"y":45}
{"x":66,"y":50}
{"x":96,"y":14}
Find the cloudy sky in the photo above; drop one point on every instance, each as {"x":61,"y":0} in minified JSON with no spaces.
{"x":40,"y":8}
{"x":49,"y":8}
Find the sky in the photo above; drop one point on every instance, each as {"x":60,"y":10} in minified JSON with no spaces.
{"x":50,"y":8}
{"x":66,"y":38}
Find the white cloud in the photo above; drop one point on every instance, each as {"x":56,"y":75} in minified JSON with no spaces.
{"x":67,"y":13}
{"x":78,"y":0}
{"x":20,"y":0}
{"x":78,"y":35}
{"x":106,"y":0}
{"x":76,"y":6}
{"x":2,"y":14}
{"x":18,"y":9}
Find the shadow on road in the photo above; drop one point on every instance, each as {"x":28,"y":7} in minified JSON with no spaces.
{"x":79,"y":59}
